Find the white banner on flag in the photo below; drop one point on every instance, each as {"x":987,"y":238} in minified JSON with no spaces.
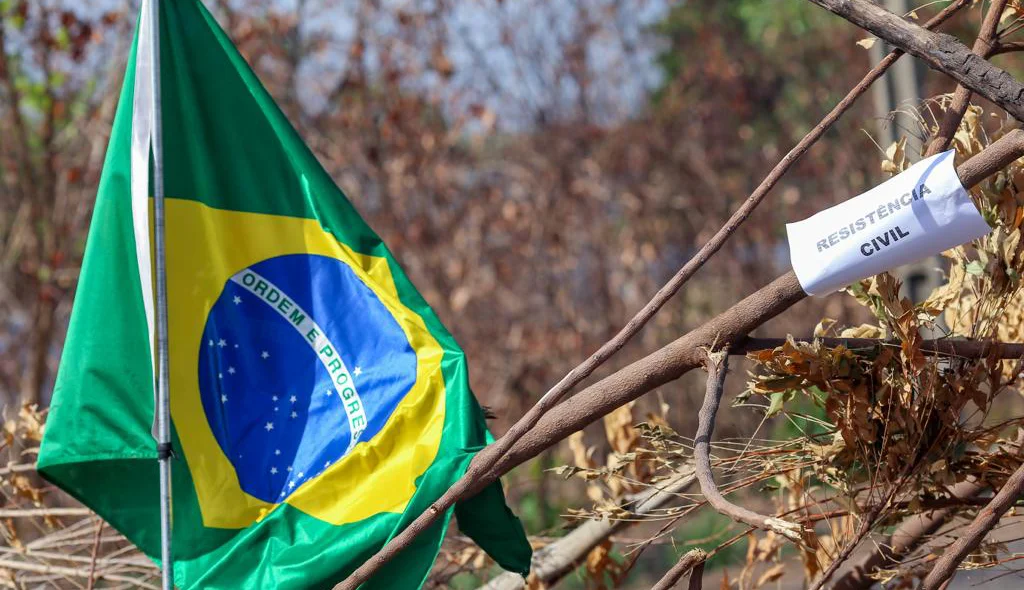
{"x":918,"y":213}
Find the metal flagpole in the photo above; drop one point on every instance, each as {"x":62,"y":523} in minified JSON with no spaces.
{"x":163,"y":412}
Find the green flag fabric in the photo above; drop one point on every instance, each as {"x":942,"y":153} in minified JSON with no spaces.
{"x":318,"y":405}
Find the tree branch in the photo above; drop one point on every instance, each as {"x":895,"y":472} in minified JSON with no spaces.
{"x":1007,"y":47}
{"x":718,"y":367}
{"x":684,"y":354}
{"x":969,"y":540}
{"x":983,"y":47}
{"x":693,"y":559}
{"x":941,"y":52}
{"x":862,"y":531}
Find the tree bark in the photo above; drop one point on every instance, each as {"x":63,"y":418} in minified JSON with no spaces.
{"x":941,"y":52}
{"x":984,"y":45}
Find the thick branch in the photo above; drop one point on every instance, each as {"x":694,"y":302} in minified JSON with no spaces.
{"x":969,"y":540}
{"x":684,"y":354}
{"x":689,"y":561}
{"x":941,"y":52}
{"x":718,"y":366}
{"x":984,"y":45}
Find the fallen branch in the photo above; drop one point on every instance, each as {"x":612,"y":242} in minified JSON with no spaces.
{"x":718,"y":367}
{"x":942,"y":52}
{"x":551,"y":563}
{"x":970,"y":538}
{"x":691,"y":560}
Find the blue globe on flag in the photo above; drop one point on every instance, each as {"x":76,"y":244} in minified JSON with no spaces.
{"x":299,"y":362}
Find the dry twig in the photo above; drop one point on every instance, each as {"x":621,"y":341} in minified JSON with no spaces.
{"x":718,"y":367}
{"x":972,"y":349}
{"x":691,"y":560}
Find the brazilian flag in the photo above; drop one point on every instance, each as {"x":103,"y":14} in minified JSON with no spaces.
{"x":318,"y":405}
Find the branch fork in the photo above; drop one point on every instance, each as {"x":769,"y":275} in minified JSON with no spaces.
{"x":718,"y":367}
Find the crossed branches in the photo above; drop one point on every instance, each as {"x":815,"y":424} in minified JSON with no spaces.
{"x":549,"y":421}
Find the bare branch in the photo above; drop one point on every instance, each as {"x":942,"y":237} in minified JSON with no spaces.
{"x":69,"y":572}
{"x":693,"y":559}
{"x":718,"y":367}
{"x":942,"y":52}
{"x":862,"y":531}
{"x":42,"y":512}
{"x":1007,"y":47}
{"x":983,"y":47}
{"x":95,"y":553}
